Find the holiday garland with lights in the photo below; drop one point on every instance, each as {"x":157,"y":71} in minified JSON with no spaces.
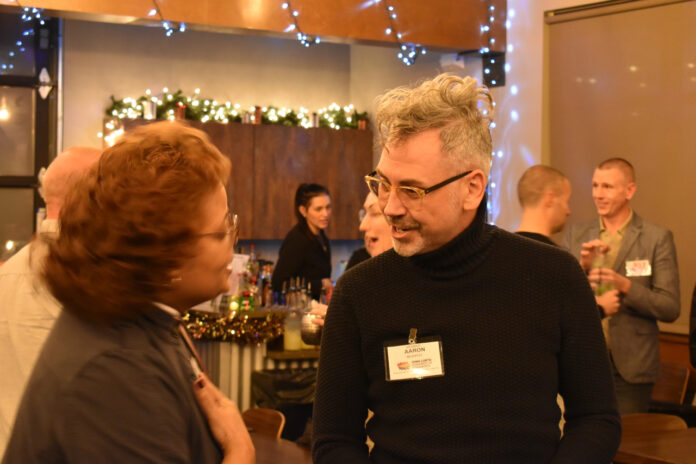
{"x":240,"y":327}
{"x":176,"y":105}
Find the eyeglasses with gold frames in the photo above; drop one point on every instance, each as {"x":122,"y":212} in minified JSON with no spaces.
{"x":409,"y":195}
{"x":231,"y":229}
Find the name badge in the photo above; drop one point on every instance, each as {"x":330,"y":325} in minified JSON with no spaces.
{"x":638,"y":268}
{"x":416,"y":359}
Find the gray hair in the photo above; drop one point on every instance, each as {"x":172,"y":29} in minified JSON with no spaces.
{"x":456,"y":105}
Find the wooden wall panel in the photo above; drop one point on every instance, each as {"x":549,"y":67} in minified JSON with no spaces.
{"x":269,"y":162}
{"x":236,"y":142}
{"x":287,"y":156}
{"x":281,"y":160}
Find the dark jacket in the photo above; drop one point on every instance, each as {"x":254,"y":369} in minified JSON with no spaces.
{"x":635,"y":347}
{"x":119,"y":393}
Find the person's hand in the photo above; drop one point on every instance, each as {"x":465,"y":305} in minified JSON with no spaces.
{"x":326,"y":284}
{"x":590,"y":250}
{"x":609,"y":276}
{"x":609,"y":301}
{"x":225,"y":422}
{"x":318,"y":310}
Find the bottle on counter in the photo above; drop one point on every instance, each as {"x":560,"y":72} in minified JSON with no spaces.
{"x":267,"y":295}
{"x":282,"y":299}
{"x":311,"y":332}
{"x":253,"y":264}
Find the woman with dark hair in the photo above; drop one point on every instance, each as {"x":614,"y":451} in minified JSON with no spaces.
{"x":305,"y":251}
{"x":145,"y":235}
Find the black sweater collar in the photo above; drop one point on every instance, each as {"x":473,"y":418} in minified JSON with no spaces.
{"x":462,"y":254}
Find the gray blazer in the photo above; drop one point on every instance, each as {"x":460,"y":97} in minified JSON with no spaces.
{"x":633,"y":330}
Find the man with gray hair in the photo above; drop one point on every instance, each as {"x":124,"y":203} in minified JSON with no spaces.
{"x":27,"y":309}
{"x":460,"y":338}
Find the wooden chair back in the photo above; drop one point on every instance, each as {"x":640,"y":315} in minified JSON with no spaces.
{"x":672,"y":384}
{"x":264,"y":421}
{"x":641,"y":424}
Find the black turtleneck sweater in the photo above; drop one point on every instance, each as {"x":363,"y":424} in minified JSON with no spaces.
{"x":538,"y":237}
{"x":518,"y":326}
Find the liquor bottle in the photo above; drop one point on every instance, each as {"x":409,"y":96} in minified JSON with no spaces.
{"x":267,"y":296}
{"x":253,"y":264}
{"x":283,"y":300}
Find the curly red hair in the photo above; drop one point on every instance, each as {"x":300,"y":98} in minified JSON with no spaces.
{"x":130,"y":222}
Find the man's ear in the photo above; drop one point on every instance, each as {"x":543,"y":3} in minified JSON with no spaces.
{"x":475,"y":189}
{"x":548,"y":198}
{"x":630,"y":190}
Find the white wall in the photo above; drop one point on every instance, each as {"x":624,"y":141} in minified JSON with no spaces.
{"x":520,"y":141}
{"x":105,"y":59}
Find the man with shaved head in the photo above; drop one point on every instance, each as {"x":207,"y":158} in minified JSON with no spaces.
{"x":544,"y":193}
{"x":27,"y":309}
{"x":623,"y":252}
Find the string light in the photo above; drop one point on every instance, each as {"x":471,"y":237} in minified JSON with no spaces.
{"x":408,"y":52}
{"x":29,"y":15}
{"x":489,"y":40}
{"x":32,"y":14}
{"x":169,"y":27}
{"x":304,"y":39}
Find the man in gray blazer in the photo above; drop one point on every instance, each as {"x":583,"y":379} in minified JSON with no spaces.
{"x":622,"y":251}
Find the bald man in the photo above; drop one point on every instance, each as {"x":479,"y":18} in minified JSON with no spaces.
{"x":544,"y":193}
{"x":639,"y":260}
{"x":27,"y":309}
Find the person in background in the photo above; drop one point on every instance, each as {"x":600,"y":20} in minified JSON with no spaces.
{"x":377,"y":241}
{"x":639,"y":259}
{"x":145,"y":235}
{"x":27,"y":309}
{"x":306,"y":252}
{"x":460,"y":338}
{"x":376,"y":232}
{"x":544,"y":193}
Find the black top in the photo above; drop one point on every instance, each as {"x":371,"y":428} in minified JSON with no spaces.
{"x":538,"y":237}
{"x":303,"y":254}
{"x":544,"y":239}
{"x":358,"y":257}
{"x":518,"y":326}
{"x":118,"y":393}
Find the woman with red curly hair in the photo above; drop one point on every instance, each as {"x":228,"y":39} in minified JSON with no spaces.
{"x":145,"y":235}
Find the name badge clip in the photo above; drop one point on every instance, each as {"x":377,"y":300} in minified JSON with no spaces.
{"x":412,"y":336}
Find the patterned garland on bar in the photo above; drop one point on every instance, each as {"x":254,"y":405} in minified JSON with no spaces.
{"x":242,"y":328}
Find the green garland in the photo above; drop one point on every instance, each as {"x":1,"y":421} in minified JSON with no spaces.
{"x":202,"y":109}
